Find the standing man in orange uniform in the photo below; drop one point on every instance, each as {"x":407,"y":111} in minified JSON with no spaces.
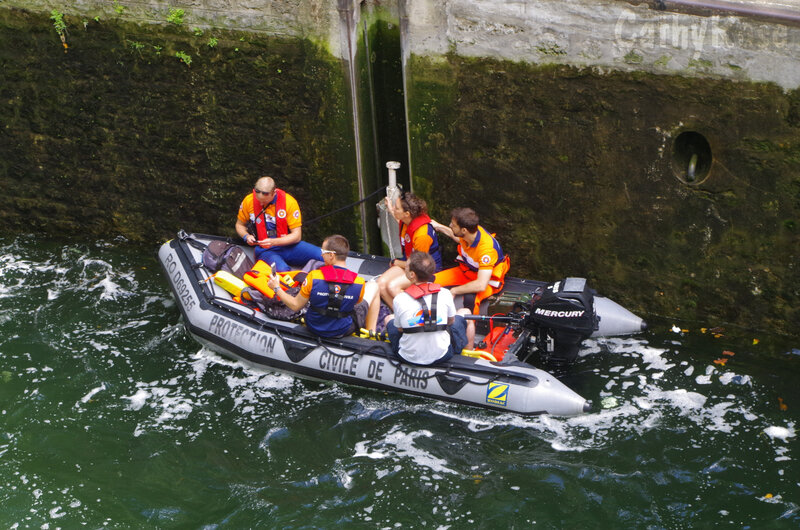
{"x":270,"y":220}
{"x":482,"y":266}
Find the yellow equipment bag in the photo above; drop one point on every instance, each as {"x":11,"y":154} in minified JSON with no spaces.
{"x":229,"y":282}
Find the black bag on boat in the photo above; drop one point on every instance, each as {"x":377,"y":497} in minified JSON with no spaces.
{"x":228,"y":257}
{"x":273,"y":307}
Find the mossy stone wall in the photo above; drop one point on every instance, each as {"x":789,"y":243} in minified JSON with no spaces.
{"x":137,"y":130}
{"x":115,"y":135}
{"x":574,"y":171}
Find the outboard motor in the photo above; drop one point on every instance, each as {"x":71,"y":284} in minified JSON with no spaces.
{"x":562,"y":316}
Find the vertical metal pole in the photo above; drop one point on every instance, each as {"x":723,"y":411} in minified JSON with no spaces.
{"x":389,"y":232}
{"x":347,"y":15}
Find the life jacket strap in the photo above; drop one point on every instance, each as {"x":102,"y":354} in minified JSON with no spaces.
{"x":335,"y":299}
{"x":428,"y":315}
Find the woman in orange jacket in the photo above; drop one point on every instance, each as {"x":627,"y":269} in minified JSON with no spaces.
{"x":416,"y":233}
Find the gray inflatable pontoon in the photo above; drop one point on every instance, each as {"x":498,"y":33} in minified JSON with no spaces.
{"x":234,"y":330}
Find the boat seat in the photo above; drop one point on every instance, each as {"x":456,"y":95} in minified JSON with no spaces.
{"x":369,"y":269}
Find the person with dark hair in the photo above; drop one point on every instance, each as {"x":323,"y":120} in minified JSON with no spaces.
{"x":425,"y":328}
{"x":482,"y":266}
{"x":416,"y":233}
{"x":270,"y":220}
{"x":340,"y":301}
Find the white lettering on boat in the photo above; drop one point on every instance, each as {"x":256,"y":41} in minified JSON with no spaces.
{"x":411,"y":377}
{"x":247,"y":338}
{"x":336,"y":363}
{"x":559,"y":314}
{"x":180,"y":284}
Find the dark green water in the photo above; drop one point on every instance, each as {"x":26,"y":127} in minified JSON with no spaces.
{"x":112,"y":416}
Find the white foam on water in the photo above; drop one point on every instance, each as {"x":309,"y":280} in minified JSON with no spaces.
{"x":171,"y":408}
{"x":110,"y":289}
{"x":402,"y":445}
{"x":780,"y":433}
{"x":734,"y":378}
{"x":630,"y":371}
{"x":92,"y":393}
{"x":654,"y":358}
{"x":342,"y":476}
{"x":138,"y":400}
{"x":174,"y":408}
{"x":131,"y":324}
{"x":703,"y":379}
{"x":362,"y":450}
{"x":97,"y":345}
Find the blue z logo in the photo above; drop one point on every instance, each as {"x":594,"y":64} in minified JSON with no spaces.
{"x":497,"y":394}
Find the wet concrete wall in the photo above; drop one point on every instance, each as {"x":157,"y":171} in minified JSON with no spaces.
{"x":571,"y":128}
{"x":654,"y":151}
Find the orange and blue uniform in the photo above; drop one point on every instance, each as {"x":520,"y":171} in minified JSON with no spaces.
{"x":484,"y":253}
{"x":270,"y":217}
{"x":281,"y":216}
{"x":333,"y":293}
{"x":421,"y":236}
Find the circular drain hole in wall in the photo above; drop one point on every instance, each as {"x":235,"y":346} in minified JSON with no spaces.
{"x":691,"y":157}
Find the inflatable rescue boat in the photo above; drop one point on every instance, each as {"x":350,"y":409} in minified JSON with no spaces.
{"x":545,"y":324}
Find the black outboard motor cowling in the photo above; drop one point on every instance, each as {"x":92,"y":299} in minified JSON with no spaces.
{"x":563,"y":316}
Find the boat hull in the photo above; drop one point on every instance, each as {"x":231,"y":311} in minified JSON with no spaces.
{"x":233,"y":330}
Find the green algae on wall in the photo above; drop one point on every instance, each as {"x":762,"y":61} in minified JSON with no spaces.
{"x":120,"y":136}
{"x":387,"y":82}
{"x":575,"y":171}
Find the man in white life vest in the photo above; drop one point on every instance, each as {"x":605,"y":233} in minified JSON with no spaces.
{"x":425,"y":328}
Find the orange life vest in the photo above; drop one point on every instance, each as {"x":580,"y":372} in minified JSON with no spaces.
{"x":258,"y":278}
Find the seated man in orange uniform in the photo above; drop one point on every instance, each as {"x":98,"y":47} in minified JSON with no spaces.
{"x":269,"y":219}
{"x":481,"y":263}
{"x":340,"y":301}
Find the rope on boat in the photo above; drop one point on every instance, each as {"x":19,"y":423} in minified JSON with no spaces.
{"x":343,"y":208}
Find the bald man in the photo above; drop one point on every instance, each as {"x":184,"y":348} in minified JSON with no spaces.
{"x":269,"y":219}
